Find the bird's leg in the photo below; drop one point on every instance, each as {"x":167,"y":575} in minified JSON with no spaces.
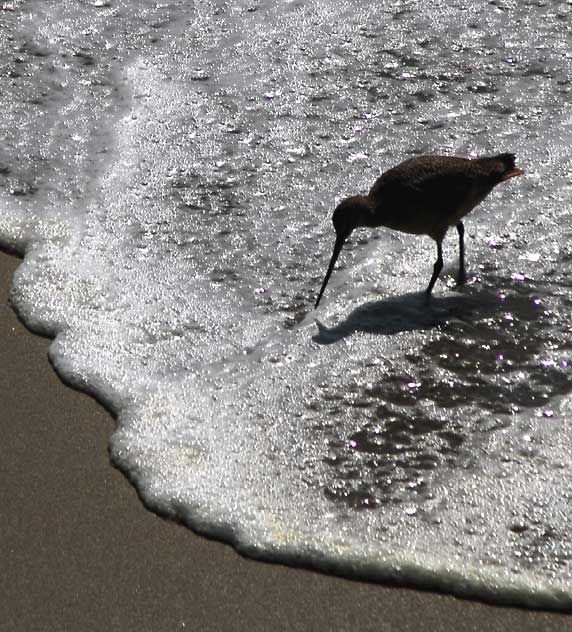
{"x":462,"y":276}
{"x":436,"y":270}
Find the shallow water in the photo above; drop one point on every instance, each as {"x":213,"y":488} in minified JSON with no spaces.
{"x":170,"y":171}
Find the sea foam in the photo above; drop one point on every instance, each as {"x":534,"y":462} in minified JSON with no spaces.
{"x":169,"y":173}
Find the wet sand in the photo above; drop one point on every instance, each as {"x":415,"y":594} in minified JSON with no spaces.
{"x":80,"y":552}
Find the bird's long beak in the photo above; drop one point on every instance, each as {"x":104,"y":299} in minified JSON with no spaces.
{"x":340,"y":239}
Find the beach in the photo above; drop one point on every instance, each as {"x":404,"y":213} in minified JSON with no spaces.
{"x":79,"y":550}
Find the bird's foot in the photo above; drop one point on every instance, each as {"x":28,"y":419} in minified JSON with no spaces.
{"x":461,"y":278}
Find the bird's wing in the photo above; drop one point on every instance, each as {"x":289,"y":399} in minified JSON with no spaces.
{"x":444,"y":192}
{"x":441,"y":186}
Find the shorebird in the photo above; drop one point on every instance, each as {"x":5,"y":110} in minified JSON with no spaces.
{"x":424,"y":195}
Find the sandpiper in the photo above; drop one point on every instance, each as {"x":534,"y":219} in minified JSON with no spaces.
{"x":424,"y":195}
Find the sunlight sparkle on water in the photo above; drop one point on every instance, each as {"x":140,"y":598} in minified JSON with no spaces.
{"x":210,"y":160}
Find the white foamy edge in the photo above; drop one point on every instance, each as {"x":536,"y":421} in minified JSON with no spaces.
{"x":18,"y":234}
{"x":376,"y":565}
{"x":31,"y":236}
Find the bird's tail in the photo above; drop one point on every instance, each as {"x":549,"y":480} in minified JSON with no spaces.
{"x":503,"y":166}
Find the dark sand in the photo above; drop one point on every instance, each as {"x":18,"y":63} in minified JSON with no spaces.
{"x":79,"y":552}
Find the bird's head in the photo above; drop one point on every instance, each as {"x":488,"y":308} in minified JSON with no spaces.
{"x":348,"y":214}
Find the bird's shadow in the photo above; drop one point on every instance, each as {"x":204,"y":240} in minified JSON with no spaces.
{"x":409,"y":312}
